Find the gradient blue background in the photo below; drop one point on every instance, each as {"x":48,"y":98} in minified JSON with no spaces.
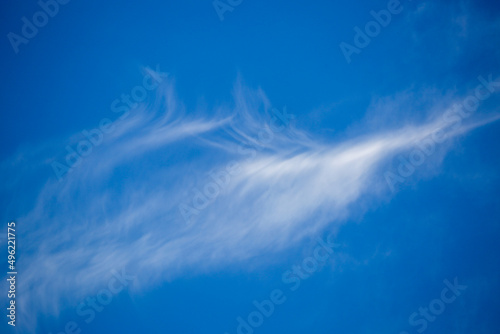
{"x":439,"y":228}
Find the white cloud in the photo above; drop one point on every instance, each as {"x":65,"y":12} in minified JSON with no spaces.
{"x":119,"y":208}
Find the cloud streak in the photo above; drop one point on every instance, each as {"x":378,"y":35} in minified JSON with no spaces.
{"x":119,"y":209}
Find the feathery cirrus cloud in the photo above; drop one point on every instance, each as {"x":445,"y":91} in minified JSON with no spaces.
{"x":120,"y":207}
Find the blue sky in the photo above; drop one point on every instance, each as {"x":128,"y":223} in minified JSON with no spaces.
{"x":226,"y":167}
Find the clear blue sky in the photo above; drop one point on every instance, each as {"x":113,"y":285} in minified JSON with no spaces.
{"x":265,"y":127}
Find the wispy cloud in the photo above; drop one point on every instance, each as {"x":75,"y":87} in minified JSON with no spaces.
{"x":119,"y":209}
